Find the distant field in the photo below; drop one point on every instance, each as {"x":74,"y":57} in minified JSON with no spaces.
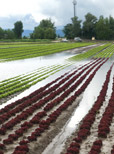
{"x":16,"y":51}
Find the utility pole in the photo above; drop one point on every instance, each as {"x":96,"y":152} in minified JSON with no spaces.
{"x":74,"y":3}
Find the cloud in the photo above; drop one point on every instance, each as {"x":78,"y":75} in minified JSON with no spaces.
{"x":96,"y":7}
{"x":8,"y":22}
{"x":31,"y":12}
{"x":59,"y":11}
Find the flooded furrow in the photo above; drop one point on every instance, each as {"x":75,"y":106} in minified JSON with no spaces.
{"x":17,"y":67}
{"x":89,"y":97}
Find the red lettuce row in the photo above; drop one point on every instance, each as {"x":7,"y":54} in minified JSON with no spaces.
{"x":22,"y":149}
{"x":2,"y":146}
{"x":44,"y":124}
{"x":34,"y":120}
{"x":8,"y":107}
{"x":73,"y":148}
{"x":23,"y":116}
{"x":85,"y":127}
{"x":35,"y":93}
{"x":106,"y":120}
{"x":96,"y":147}
{"x":112,"y":151}
{"x":18,"y":133}
{"x":53,"y":103}
{"x":20,"y":101}
{"x":29,"y":102}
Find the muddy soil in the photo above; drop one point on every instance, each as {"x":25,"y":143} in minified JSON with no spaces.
{"x":83,"y":49}
{"x":38,"y":146}
{"x":4,"y":100}
{"x":87,"y":143}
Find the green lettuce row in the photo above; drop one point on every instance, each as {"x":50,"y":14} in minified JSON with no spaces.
{"x":27,"y":84}
{"x":30,"y":52}
{"x":34,"y":51}
{"x":107,"y":53}
{"x":21,"y":79}
{"x":24,"y":76}
{"x":90,"y":53}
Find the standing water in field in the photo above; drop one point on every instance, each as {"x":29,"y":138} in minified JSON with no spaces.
{"x":14,"y":68}
{"x":89,"y":97}
{"x":17,"y":67}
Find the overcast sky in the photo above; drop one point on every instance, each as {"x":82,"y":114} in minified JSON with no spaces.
{"x":31,"y":12}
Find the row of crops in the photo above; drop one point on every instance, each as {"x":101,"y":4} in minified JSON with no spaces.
{"x":12,"y":86}
{"x":19,"y":83}
{"x":20,"y":44}
{"x":101,"y":114}
{"x":34,"y":50}
{"x":16,"y":45}
{"x":30,"y":117}
{"x":25,"y":120}
{"x":96,"y":52}
{"x":107,"y":53}
{"x":8,"y":54}
{"x":25,"y":81}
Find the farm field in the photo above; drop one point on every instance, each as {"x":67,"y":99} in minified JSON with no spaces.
{"x":61,"y":103}
{"x":16,"y":52}
{"x":17,"y":82}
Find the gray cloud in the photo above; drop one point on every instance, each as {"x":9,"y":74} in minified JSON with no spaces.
{"x":60,"y":12}
{"x":8,"y":22}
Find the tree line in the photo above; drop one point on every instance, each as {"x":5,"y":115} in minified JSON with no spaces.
{"x":15,"y":33}
{"x":45,"y":30}
{"x":101,"y":28}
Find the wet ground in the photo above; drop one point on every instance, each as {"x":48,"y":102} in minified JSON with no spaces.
{"x":9,"y":69}
{"x":19,"y":67}
{"x":89,"y":97}
{"x":14,"y":68}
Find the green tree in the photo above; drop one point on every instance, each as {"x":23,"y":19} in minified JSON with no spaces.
{"x":38,"y":33}
{"x":111,"y":24}
{"x":47,"y":23}
{"x":45,"y":30}
{"x":103,"y":31}
{"x":1,"y":33}
{"x":9,"y":34}
{"x":68,"y":31}
{"x":18,"y":29}
{"x":50,"y":33}
{"x":73,"y":29}
{"x":76,"y":25}
{"x":89,"y":26}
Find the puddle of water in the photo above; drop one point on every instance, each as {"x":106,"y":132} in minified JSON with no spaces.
{"x":42,"y":83}
{"x":89,"y":97}
{"x":14,"y":68}
{"x":38,"y":85}
{"x":10,"y":69}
